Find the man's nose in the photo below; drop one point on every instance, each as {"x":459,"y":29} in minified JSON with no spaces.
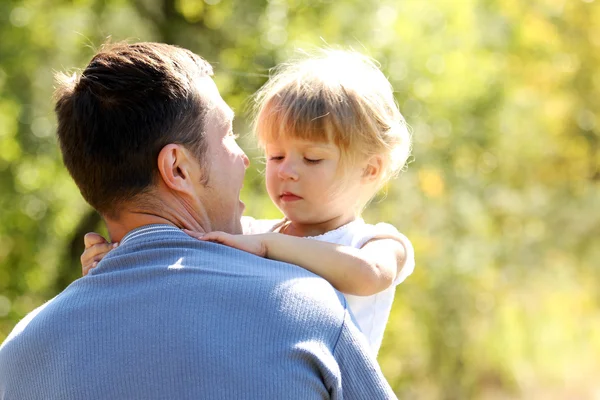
{"x":246,"y":160}
{"x":287,"y":170}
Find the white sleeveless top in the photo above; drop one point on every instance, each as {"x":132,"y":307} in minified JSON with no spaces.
{"x":371,"y":312}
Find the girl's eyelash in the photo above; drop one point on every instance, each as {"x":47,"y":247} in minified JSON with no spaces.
{"x":308,"y":160}
{"x":312,"y":161}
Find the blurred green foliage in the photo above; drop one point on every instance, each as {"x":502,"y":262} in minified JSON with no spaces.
{"x":501,"y":199}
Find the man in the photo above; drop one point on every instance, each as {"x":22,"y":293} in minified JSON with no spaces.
{"x":148,"y":140}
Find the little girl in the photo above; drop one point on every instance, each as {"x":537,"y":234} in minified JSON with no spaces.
{"x":332,"y":135}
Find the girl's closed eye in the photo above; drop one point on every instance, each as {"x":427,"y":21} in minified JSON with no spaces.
{"x":275,"y":158}
{"x":312,"y":161}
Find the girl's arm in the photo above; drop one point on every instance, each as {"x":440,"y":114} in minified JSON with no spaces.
{"x":360,"y":272}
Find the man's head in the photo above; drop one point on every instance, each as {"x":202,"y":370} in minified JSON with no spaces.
{"x":132,"y":106}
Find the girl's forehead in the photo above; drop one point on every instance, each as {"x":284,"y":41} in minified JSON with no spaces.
{"x":301,"y":143}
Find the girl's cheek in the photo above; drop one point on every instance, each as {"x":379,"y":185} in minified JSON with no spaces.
{"x":270,"y":180}
{"x":269,"y":174}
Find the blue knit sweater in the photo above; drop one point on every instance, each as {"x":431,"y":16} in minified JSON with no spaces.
{"x":164,"y":316}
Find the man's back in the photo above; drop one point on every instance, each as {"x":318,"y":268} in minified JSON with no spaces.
{"x":167,"y":317}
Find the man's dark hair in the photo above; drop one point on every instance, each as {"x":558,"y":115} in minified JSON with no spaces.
{"x":113,"y":119}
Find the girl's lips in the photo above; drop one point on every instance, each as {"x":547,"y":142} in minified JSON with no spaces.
{"x":289,"y":197}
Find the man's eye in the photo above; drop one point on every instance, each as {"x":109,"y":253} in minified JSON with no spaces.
{"x":311,"y":161}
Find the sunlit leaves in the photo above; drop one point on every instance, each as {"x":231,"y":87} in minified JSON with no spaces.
{"x":500,"y":199}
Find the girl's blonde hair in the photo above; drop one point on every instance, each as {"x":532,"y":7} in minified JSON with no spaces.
{"x":335,"y":96}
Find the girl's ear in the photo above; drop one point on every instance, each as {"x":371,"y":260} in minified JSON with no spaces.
{"x":175,"y":169}
{"x":372,"y":169}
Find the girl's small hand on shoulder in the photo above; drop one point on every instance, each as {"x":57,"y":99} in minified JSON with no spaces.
{"x":96,"y":247}
{"x":254,"y":244}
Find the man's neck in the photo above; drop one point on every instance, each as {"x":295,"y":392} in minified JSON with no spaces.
{"x":175,"y":214}
{"x":118,"y":229}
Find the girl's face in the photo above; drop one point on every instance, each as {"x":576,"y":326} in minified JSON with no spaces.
{"x":303,"y":182}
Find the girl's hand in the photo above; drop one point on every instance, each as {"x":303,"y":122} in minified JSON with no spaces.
{"x":254,"y":244}
{"x":96,"y":247}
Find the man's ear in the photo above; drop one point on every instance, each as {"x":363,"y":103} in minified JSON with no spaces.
{"x":176,"y":168}
{"x":372,"y":169}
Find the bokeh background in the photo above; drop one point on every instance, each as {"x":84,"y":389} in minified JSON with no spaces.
{"x":501,"y":199}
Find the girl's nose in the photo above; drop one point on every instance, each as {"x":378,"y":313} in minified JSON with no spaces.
{"x":287,"y":171}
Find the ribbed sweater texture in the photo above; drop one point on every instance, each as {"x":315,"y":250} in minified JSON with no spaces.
{"x":165,"y":316}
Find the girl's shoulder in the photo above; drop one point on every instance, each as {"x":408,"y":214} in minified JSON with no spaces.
{"x":360,"y":234}
{"x":356,"y":233}
{"x":383,"y":230}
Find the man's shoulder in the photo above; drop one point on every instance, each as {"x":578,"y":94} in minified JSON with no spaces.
{"x":292,"y":280}
{"x":195,"y":268}
{"x":218,"y":265}
{"x":306,"y":305}
{"x":296,"y":293}
{"x":22,"y":325}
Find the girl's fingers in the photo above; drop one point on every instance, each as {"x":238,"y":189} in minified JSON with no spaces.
{"x":193,"y":234}
{"x":213,"y":236}
{"x":216,"y":236}
{"x":98,"y":249}
{"x":96,"y":253}
{"x":93,"y":238}
{"x":86,"y":268}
